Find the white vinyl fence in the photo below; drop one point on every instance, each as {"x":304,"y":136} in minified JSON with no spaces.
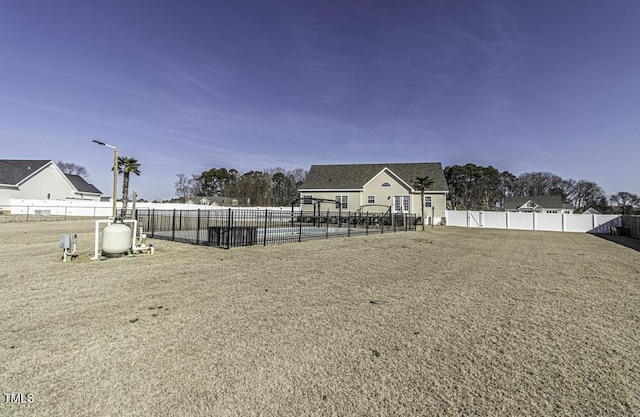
{"x":553,"y":222}
{"x":87,"y":208}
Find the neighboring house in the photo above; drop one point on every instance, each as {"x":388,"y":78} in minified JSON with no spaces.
{"x":219,"y":201}
{"x":41,"y":180}
{"x":591,"y":210}
{"x":231,"y":201}
{"x":375,"y":188}
{"x":538,"y":204}
{"x":203,"y":201}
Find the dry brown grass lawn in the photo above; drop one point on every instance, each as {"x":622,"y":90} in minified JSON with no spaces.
{"x":447,"y":322}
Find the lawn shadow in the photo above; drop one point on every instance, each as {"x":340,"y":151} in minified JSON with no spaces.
{"x":627,"y":241}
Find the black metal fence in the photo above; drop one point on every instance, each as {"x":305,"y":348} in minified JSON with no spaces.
{"x":227,"y":228}
{"x":631,"y":225}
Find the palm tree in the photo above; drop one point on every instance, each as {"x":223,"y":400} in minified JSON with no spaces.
{"x":127,"y":166}
{"x":423,"y":184}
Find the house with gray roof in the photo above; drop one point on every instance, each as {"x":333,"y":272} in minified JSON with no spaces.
{"x":538,"y":204}
{"x":41,"y":180}
{"x":375,"y":188}
{"x":591,"y":210}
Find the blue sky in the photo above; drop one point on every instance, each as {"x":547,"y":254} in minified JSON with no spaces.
{"x":187,"y":86}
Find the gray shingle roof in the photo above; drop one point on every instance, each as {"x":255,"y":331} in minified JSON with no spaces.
{"x":357,"y":175}
{"x":82,"y":185}
{"x":544,"y":201}
{"x":13,"y":171}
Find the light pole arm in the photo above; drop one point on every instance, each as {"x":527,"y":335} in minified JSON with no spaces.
{"x":115,"y":173}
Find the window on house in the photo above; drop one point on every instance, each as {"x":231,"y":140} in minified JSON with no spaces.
{"x":427,"y":201}
{"x":401,"y":203}
{"x":531,"y":204}
{"x":307,"y":199}
{"x":371,"y":199}
{"x":342,"y":201}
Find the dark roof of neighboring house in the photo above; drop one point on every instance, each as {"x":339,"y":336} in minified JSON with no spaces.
{"x":357,"y":175}
{"x":82,"y":185}
{"x":13,"y":171}
{"x":544,"y":201}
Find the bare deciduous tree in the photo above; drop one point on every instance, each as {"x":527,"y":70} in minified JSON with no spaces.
{"x":73,"y":169}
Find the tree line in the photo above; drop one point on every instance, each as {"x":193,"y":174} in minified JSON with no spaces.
{"x":475,"y":187}
{"x":270,"y":187}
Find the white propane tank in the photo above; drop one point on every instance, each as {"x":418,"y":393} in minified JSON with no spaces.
{"x":116,"y":239}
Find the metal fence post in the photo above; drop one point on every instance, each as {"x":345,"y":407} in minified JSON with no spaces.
{"x":366,"y":222}
{"x":173,"y":226}
{"x":153,"y":222}
{"x":198,"y":229}
{"x":300,"y":227}
{"x":228,"y":238}
{"x":266,"y":214}
{"x":327,"y":225}
{"x":349,"y":224}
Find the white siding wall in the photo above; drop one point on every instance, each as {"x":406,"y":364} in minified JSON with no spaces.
{"x":384,"y":195}
{"x":437,"y":200}
{"x":353,"y":200}
{"x":6,"y":194}
{"x":50,"y":182}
